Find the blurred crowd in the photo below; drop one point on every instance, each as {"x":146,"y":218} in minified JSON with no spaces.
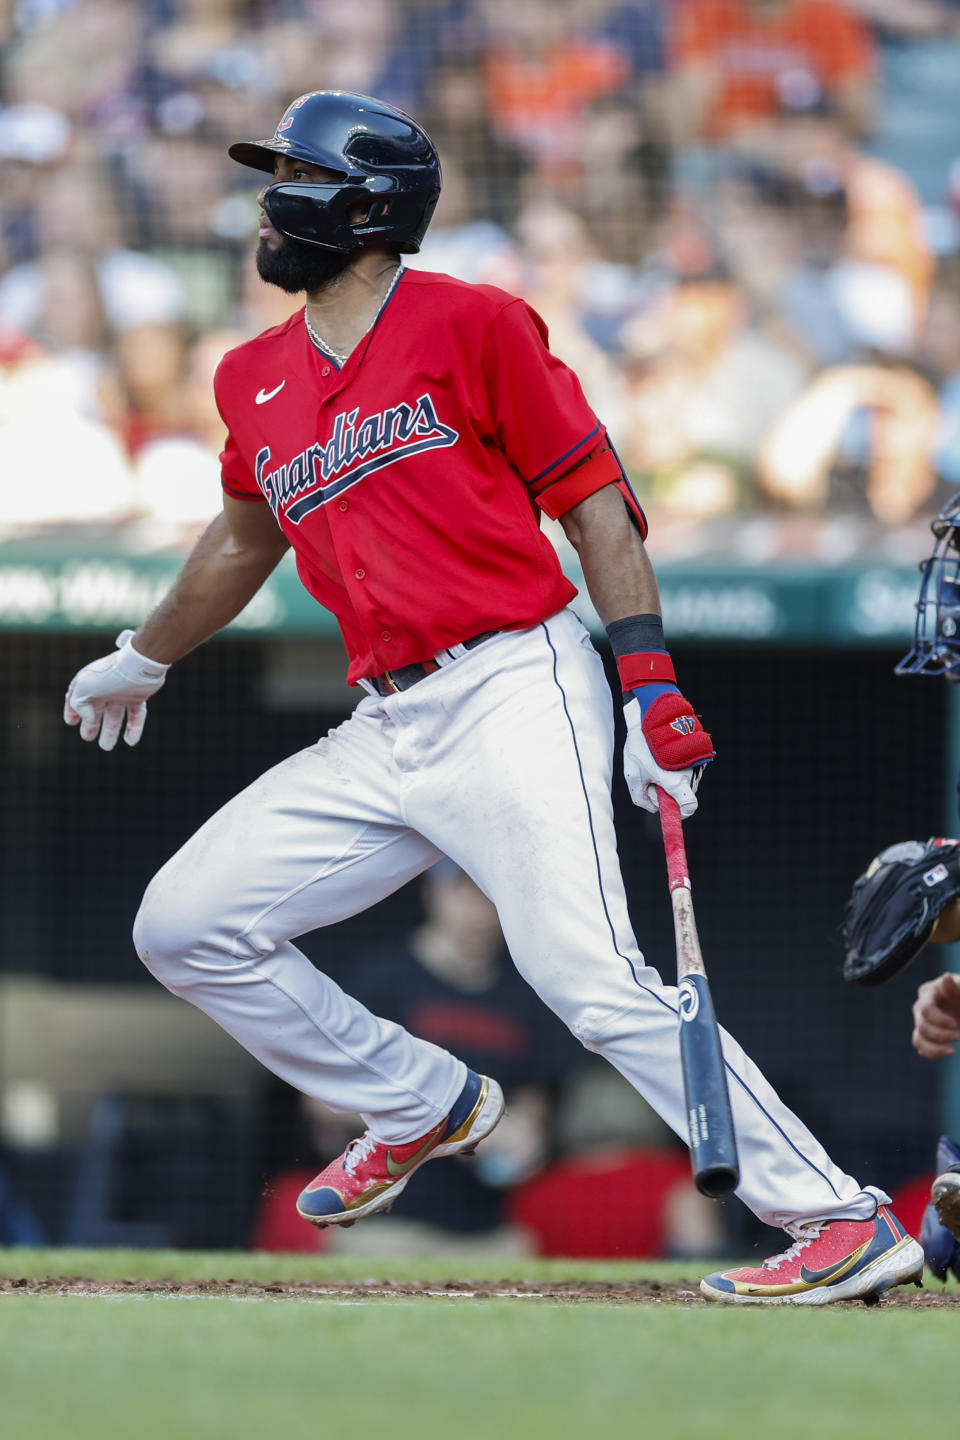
{"x":739,"y":218}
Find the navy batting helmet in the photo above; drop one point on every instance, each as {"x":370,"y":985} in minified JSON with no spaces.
{"x":381,"y":157}
{"x":936,"y":633}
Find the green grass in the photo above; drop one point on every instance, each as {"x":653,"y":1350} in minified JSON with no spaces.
{"x":260,"y":1267}
{"x":155,"y":1368}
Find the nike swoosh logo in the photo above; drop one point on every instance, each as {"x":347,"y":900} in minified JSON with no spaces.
{"x":402,"y":1167}
{"x":263,"y":396}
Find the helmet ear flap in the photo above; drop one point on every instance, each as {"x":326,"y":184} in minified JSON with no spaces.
{"x":315,"y":214}
{"x":375,"y":212}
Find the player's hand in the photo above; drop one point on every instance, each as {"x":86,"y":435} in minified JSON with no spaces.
{"x":106,"y":691}
{"x":936,"y":1017}
{"x":666,"y":745}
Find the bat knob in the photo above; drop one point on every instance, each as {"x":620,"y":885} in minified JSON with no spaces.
{"x":716,"y":1181}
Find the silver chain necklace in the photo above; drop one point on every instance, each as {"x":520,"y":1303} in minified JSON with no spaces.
{"x":325,"y":345}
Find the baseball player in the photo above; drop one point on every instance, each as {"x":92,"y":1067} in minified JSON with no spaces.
{"x":403,"y":432}
{"x":910,"y":893}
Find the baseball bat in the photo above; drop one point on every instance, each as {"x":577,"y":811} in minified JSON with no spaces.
{"x":713,"y":1144}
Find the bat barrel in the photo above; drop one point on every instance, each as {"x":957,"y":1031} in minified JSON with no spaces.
{"x":713,"y":1145}
{"x":713,"y":1148}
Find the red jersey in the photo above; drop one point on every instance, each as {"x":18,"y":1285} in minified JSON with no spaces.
{"x":408,"y":481}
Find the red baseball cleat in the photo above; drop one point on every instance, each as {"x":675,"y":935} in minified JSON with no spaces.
{"x":829,"y":1260}
{"x":370,"y":1174}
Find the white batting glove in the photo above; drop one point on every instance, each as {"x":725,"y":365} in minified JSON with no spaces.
{"x":643,"y":774}
{"x":103,"y":692}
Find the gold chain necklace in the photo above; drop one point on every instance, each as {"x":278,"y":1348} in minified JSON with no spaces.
{"x":325,"y":345}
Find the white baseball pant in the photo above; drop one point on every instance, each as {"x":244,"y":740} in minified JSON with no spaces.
{"x":502,"y":760}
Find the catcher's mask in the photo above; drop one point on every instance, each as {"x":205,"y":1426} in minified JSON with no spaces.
{"x":381,"y":157}
{"x":936,"y":633}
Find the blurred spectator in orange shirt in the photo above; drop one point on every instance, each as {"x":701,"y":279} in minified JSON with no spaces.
{"x":541,"y":73}
{"x":488,"y":168}
{"x":736,"y":58}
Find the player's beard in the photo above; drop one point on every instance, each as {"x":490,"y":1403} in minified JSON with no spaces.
{"x":296,"y":267}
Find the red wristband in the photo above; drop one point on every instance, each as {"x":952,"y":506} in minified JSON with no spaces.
{"x":651,"y":667}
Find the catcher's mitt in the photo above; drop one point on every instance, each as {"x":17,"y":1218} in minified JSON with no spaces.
{"x":894,"y":907}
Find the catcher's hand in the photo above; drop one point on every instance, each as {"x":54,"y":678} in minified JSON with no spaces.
{"x":105,"y":691}
{"x":895,"y":905}
{"x":936,"y":1017}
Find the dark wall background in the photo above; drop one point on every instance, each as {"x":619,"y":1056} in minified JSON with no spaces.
{"x":824,"y":759}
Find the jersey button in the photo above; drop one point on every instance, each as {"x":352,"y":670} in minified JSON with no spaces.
{"x":344,"y":506}
{"x":360,"y":574}
{"x":325,"y":370}
{"x":385,"y":635}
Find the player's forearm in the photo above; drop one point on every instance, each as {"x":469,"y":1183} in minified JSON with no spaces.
{"x":616,"y":568}
{"x":218,"y":579}
{"x":666,"y":746}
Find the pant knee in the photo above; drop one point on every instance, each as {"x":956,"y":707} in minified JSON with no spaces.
{"x":183,"y":940}
{"x":599,"y":1026}
{"x":168,"y":935}
{"x":588,"y":1025}
{"x":151,"y":937}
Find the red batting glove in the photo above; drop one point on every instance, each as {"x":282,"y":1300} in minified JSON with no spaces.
{"x":666,"y":744}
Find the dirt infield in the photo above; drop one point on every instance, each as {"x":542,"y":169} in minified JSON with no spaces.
{"x":570,"y":1292}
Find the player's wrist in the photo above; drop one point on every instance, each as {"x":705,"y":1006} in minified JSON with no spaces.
{"x":669,"y":725}
{"x":643,"y":661}
{"x":135,"y":666}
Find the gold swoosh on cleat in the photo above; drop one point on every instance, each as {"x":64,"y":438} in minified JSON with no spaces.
{"x":366,"y":1197}
{"x":396,"y":1168}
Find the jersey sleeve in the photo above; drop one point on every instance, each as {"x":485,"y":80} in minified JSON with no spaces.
{"x":548,"y":432}
{"x":236,"y":477}
{"x":539,"y":411}
{"x":235,"y":474}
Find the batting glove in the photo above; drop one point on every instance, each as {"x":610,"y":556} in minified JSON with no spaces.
{"x":666,"y":745}
{"x":105,"y":691}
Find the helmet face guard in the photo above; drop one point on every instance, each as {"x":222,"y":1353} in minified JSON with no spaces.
{"x":382,"y":161}
{"x":936,"y":634}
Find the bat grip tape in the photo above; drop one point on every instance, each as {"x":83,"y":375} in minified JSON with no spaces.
{"x":671,"y":824}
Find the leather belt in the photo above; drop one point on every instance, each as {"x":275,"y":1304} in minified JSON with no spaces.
{"x":392,"y":681}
